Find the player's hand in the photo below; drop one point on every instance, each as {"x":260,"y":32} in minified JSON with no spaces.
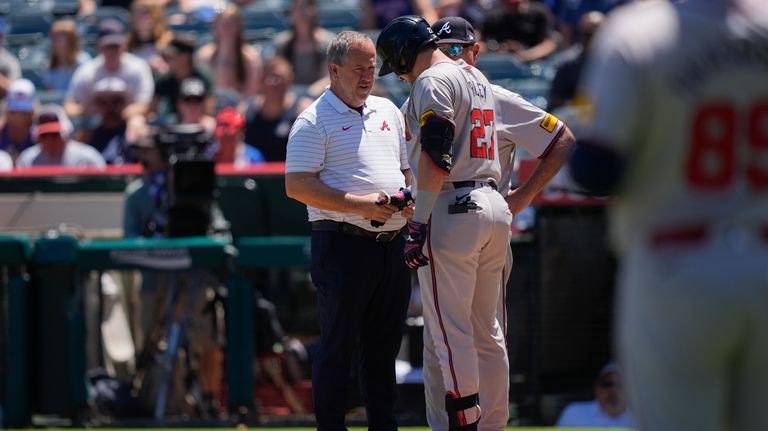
{"x":408,"y":211}
{"x":517,"y":202}
{"x":417,"y":236}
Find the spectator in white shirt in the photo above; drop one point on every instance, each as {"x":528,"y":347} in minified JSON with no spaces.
{"x":54,"y":146}
{"x":607,"y":410}
{"x":113,"y":61}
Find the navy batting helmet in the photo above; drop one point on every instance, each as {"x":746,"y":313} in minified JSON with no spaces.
{"x":400,"y":42}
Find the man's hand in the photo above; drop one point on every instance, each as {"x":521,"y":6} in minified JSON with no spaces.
{"x":401,"y":199}
{"x":417,"y":236}
{"x":517,"y":202}
{"x":371,"y":209}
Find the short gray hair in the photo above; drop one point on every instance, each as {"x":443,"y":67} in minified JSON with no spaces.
{"x":339,"y":47}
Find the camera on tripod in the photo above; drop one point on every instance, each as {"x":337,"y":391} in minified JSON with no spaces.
{"x":191,"y":180}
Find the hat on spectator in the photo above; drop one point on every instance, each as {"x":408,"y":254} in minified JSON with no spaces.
{"x":110,"y":84}
{"x":192,"y":87}
{"x":180,"y":44}
{"x":111,"y":32}
{"x":229,"y":121}
{"x":51,"y":118}
{"x":611,"y":367}
{"x":21,"y":96}
{"x":454,"y":29}
{"x":3,"y":26}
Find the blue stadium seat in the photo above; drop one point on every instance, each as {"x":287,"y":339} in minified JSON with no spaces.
{"x":50,"y":96}
{"x":502,"y":66}
{"x":534,"y":90}
{"x":28,"y":21}
{"x":337,"y":19}
{"x":262,"y":24}
{"x":63,"y":8}
{"x":89,"y":24}
{"x":34,"y":74}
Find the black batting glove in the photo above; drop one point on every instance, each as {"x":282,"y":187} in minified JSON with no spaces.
{"x":417,"y":236}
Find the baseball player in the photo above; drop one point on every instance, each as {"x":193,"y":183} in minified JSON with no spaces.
{"x":518,"y":122}
{"x":459,"y":232}
{"x":679,"y":100}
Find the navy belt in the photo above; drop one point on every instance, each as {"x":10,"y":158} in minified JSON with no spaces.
{"x":474,"y":184}
{"x":335,"y":226}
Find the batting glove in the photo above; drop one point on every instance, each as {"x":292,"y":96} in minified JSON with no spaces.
{"x":400,"y":199}
{"x":417,"y":236}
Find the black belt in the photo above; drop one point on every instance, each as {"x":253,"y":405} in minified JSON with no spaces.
{"x":335,"y":226}
{"x":474,"y":184}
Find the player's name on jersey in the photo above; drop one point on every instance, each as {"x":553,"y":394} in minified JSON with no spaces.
{"x":478,"y":89}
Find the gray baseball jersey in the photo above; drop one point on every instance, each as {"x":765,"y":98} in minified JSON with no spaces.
{"x":456,"y":92}
{"x":519,"y":122}
{"x":467,"y":242}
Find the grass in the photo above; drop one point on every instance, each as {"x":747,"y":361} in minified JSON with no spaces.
{"x":313,"y":429}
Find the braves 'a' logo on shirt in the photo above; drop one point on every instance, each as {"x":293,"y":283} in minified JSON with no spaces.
{"x":384,"y":125}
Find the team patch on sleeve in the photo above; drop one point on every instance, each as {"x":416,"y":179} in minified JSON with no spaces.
{"x":548,"y":123}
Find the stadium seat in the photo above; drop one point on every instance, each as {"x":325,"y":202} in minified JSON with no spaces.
{"x":63,"y":8}
{"x":534,"y":90}
{"x":89,"y":25}
{"x":337,"y":19}
{"x":502,"y":66}
{"x":261,"y":24}
{"x":34,"y":74}
{"x":51,"y":96}
{"x":28,"y":21}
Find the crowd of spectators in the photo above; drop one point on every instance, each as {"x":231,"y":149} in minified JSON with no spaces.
{"x":143,"y":66}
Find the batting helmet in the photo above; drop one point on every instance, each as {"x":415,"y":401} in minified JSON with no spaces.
{"x":400,"y":41}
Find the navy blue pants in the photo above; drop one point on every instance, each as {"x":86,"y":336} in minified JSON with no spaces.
{"x":363,"y":290}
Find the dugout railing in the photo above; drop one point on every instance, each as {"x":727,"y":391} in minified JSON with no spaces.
{"x":14,"y":258}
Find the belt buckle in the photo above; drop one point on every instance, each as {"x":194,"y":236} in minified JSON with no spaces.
{"x":382,"y":237}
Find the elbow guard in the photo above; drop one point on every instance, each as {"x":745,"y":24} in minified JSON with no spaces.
{"x":597,"y":170}
{"x":437,"y":140}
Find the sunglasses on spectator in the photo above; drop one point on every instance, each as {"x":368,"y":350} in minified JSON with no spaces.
{"x":116,"y":101}
{"x":274,"y":79}
{"x":452,"y":50}
{"x":47,"y":118}
{"x":192,"y":99}
{"x":607,"y":384}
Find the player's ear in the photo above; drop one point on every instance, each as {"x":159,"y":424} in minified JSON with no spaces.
{"x":475,"y":50}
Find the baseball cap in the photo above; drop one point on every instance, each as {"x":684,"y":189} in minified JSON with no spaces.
{"x":454,"y":29}
{"x":611,"y":367}
{"x":192,"y":87}
{"x":180,"y":44}
{"x":3,"y":26}
{"x":21,"y":96}
{"x":111,"y":32}
{"x":51,"y":118}
{"x":49,"y":128}
{"x":228,"y":121}
{"x":110,"y":84}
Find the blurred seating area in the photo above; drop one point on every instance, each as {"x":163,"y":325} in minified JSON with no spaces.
{"x":28,"y":25}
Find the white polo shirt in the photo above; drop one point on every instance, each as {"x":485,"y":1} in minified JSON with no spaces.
{"x":359,"y":154}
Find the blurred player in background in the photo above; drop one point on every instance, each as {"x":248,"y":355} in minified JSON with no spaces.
{"x":679,"y":100}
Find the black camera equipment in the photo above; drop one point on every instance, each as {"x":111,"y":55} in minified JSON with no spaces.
{"x":192,"y":188}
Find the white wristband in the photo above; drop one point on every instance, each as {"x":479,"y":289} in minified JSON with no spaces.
{"x":425,"y":201}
